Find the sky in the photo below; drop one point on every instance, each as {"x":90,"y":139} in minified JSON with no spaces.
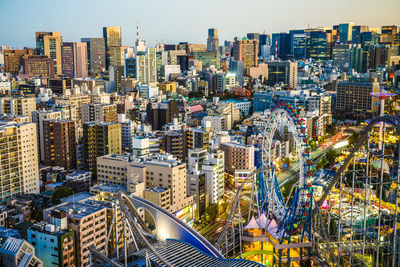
{"x":172,"y":21}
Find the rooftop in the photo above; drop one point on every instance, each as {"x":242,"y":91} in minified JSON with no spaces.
{"x":77,"y":210}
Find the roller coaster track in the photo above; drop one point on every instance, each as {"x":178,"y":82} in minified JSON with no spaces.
{"x":393,"y":120}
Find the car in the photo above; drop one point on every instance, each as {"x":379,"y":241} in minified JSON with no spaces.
{"x":219,"y":230}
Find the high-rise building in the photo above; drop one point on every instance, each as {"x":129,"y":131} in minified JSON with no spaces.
{"x":340,"y":55}
{"x":298,"y":44}
{"x":99,"y":112}
{"x":146,"y":71}
{"x":49,"y":44}
{"x":41,"y":66}
{"x":39,"y":117}
{"x":117,"y":56}
{"x":207,"y":58}
{"x":13,"y":59}
{"x":236,"y":67}
{"x":212,"y":41}
{"x":285,"y":72}
{"x":19,"y":105}
{"x":96,"y":54}
{"x":354,"y":97}
{"x":99,"y":139}
{"x":319,"y":45}
{"x":280,"y":46}
{"x":80,"y":59}
{"x":161,"y":113}
{"x":390,"y":30}
{"x":19,"y":162}
{"x":264,"y":40}
{"x":59,"y":143}
{"x":174,"y":143}
{"x":379,"y":56}
{"x":345,"y":31}
{"x":112,"y":37}
{"x":356,"y":33}
{"x":247,"y":52}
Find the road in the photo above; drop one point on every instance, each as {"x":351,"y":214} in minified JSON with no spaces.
{"x":293,"y":170}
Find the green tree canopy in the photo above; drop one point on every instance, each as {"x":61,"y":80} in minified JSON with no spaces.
{"x":60,"y":193}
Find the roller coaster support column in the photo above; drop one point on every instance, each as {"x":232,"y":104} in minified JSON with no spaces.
{"x":380,"y":198}
{"x":396,"y":213}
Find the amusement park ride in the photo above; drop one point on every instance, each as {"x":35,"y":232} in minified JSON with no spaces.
{"x":350,"y":219}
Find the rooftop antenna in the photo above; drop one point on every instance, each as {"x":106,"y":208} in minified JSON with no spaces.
{"x":137,"y":32}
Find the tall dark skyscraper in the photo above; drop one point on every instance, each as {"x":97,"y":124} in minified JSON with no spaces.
{"x":318,"y":45}
{"x":96,"y":53}
{"x":297,"y":44}
{"x":280,"y":45}
{"x":67,"y":59}
{"x":213,"y":41}
{"x":356,"y":33}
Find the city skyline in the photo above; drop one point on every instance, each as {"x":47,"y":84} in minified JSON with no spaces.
{"x":75,"y":23}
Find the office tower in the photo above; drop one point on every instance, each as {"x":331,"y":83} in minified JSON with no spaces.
{"x":130,"y":67}
{"x":161,"y":113}
{"x":99,"y":139}
{"x":368,"y":39}
{"x":253,"y":36}
{"x":174,"y":143}
{"x":236,"y":67}
{"x":345,"y":31}
{"x":18,"y":252}
{"x":49,"y":44}
{"x":264,"y":40}
{"x":117,"y":55}
{"x":53,"y":242}
{"x":20,"y":105}
{"x":356,"y":33}
{"x":319,"y":45}
{"x":285,"y":72}
{"x":297,"y":44}
{"x":19,"y":163}
{"x":96,"y":54}
{"x":80,"y":59}
{"x":358,"y":59}
{"x":280,"y":46}
{"x":59,"y":143}
{"x":117,"y":74}
{"x":354,"y":97}
{"x":67,"y":59}
{"x":89,"y":224}
{"x":13,"y":59}
{"x":247,"y":52}
{"x":41,"y":66}
{"x":146,"y":71}
{"x":390,"y":30}
{"x":340,"y":55}
{"x":112,"y":37}
{"x":207,"y":58}
{"x":379,"y":56}
{"x":99,"y":112}
{"x":212,"y":41}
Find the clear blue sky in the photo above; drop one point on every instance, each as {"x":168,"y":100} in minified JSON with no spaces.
{"x":182,"y":20}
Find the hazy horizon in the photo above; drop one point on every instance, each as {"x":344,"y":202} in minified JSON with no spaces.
{"x":172,"y":21}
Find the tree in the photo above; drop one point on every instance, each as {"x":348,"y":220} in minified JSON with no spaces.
{"x":353,"y":138}
{"x":286,"y":161}
{"x":60,"y":193}
{"x":331,"y":156}
{"x":212,"y":212}
{"x":313,"y":145}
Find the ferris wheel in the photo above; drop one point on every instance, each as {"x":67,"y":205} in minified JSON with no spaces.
{"x":292,"y":216}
